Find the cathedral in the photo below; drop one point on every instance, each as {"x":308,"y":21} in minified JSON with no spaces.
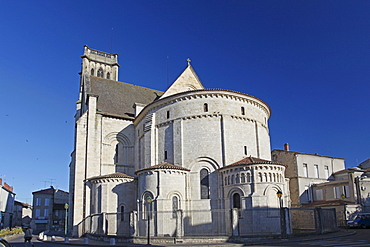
{"x":190,"y":161}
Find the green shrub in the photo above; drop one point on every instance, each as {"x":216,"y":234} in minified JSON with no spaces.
{"x":6,"y":231}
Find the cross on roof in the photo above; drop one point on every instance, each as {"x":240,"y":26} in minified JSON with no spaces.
{"x":188,"y":61}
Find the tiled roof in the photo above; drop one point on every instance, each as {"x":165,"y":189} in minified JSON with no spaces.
{"x":118,"y":98}
{"x":351,"y":169}
{"x":252,"y":161}
{"x":45,"y":191}
{"x":113,"y":175}
{"x":48,"y":191}
{"x":164,"y":165}
{"x":294,"y":152}
{"x":22,"y":203}
{"x":337,"y":202}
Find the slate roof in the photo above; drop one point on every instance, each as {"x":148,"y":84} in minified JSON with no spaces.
{"x":117,"y":98}
{"x":164,"y":165}
{"x":112,"y":175}
{"x":252,"y":161}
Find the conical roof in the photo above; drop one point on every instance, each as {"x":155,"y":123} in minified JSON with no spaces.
{"x":252,"y":161}
{"x":112,"y":175}
{"x":164,"y":165}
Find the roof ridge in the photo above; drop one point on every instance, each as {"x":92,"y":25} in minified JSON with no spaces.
{"x":252,"y":161}
{"x":122,"y":82}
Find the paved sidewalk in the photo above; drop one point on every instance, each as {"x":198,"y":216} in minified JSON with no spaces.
{"x":250,"y":242}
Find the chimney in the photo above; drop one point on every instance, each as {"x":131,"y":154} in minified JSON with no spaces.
{"x":286,"y":147}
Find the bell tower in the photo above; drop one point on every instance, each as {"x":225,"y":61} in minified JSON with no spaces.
{"x":100,"y":64}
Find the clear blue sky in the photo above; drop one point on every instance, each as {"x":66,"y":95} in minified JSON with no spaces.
{"x":309,"y":60}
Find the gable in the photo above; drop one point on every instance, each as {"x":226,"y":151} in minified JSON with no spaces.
{"x":187,"y":81}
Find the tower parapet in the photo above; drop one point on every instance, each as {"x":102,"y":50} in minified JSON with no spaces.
{"x":100,"y":64}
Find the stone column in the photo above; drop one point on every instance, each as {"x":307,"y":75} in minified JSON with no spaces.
{"x":235,"y":221}
{"x":103,"y":224}
{"x":179,"y":224}
{"x":133,"y":223}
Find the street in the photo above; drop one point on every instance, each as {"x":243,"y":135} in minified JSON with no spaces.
{"x":18,"y":241}
{"x":360,"y":239}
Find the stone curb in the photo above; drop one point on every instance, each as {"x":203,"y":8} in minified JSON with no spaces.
{"x":340,"y":234}
{"x":306,"y":238}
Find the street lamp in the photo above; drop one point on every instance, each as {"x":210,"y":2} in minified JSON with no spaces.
{"x":66,"y":206}
{"x":343,"y":196}
{"x":148,"y":200}
{"x":279,"y":195}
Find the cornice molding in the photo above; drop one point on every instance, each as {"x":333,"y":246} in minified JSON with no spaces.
{"x":204,"y":93}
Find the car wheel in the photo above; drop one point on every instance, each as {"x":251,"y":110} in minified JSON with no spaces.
{"x":363,"y":226}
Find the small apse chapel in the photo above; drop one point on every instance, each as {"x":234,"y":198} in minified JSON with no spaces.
{"x":182,"y":159}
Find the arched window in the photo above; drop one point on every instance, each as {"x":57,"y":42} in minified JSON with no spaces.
{"x":204,"y":184}
{"x":92,"y":71}
{"x":232,"y":179}
{"x":225,"y":180}
{"x":236,"y":201}
{"x":116,"y":154}
{"x":175,"y":206}
{"x":122,"y":209}
{"x":248,"y":178}
{"x":100,"y":73}
{"x":108,"y":75}
{"x":242,"y":110}
{"x":205,"y":107}
{"x":237,"y":179}
{"x":243,"y":178}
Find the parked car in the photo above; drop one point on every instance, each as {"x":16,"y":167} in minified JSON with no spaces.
{"x":4,"y":243}
{"x":360,"y":220}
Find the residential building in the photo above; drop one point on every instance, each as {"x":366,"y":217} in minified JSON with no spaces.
{"x":304,"y":170}
{"x":348,"y":191}
{"x":48,"y":209}
{"x":7,"y":197}
{"x":21,"y":211}
{"x":365,"y":164}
